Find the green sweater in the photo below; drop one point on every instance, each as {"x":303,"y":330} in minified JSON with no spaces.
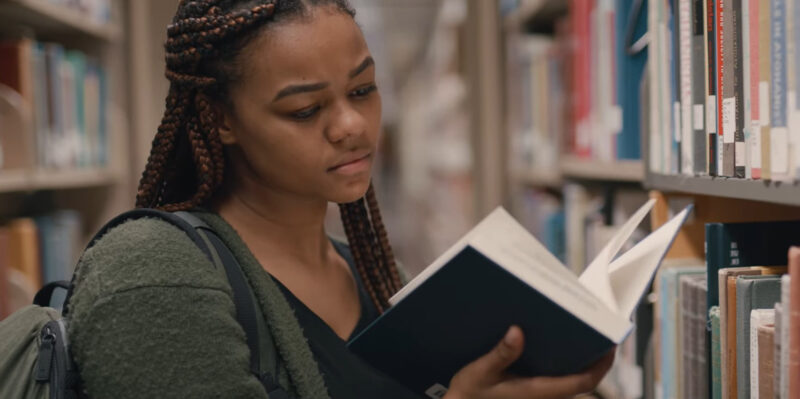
{"x":152,"y":318}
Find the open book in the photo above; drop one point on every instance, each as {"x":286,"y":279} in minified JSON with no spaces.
{"x":499,"y":275}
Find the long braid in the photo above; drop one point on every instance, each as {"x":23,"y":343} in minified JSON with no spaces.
{"x":186,"y":165}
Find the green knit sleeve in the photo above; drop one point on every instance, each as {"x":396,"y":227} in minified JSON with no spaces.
{"x":150,"y":317}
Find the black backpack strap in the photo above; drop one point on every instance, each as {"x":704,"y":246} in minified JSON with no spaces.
{"x":205,"y":238}
{"x":45,"y":294}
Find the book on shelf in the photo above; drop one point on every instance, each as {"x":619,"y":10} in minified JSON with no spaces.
{"x":791,"y":306}
{"x":752,"y":292}
{"x":716,"y":357}
{"x":569,"y":321}
{"x":766,"y":367}
{"x":761,"y":319}
{"x":66,"y":93}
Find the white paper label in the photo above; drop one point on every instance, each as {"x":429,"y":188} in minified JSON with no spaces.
{"x":755,"y":150}
{"x":615,"y":119}
{"x":437,"y":391}
{"x":711,"y":114}
{"x":779,"y":149}
{"x":728,"y":119}
{"x":676,"y":121}
{"x":698,"y":117}
{"x":739,"y":157}
{"x":763,"y":103}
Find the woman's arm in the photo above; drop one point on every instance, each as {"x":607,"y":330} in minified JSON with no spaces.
{"x":151,"y":317}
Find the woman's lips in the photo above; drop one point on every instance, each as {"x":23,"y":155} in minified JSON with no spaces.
{"x":353,"y":167}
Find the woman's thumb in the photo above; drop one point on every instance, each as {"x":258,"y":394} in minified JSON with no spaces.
{"x":494,"y":363}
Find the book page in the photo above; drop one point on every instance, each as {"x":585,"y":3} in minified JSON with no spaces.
{"x":630,"y":274}
{"x":595,"y":277}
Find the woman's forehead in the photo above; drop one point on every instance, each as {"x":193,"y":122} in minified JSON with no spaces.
{"x":323,"y":46}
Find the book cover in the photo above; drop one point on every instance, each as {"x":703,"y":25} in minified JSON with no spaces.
{"x":4,"y":305}
{"x":766,"y":367}
{"x":675,"y":162}
{"x":23,"y":245}
{"x":795,"y":72}
{"x":499,"y":265}
{"x":785,"y":336}
{"x":752,"y":292}
{"x":716,"y":354}
{"x":794,"y":324}
{"x":693,"y":332}
{"x":731,"y":350}
{"x":759,"y":318}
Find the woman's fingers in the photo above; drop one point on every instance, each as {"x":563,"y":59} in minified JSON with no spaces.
{"x":491,"y":367}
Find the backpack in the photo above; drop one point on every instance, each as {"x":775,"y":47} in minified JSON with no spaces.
{"x":35,"y":361}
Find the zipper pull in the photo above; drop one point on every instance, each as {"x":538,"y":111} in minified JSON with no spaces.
{"x":46,"y":352}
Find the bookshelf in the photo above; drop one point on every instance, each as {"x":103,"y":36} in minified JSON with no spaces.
{"x":49,"y":18}
{"x":786,"y":193}
{"x":37,"y":180}
{"x":630,"y":171}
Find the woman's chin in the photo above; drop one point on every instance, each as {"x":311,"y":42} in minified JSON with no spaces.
{"x":350,"y":193}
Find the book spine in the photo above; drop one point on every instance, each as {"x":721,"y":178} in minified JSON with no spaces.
{"x":675,"y":79}
{"x":793,"y":309}
{"x":792,"y":122}
{"x":795,"y":117}
{"x":702,"y":336}
{"x":716,"y":371}
{"x":581,"y":24}
{"x":777,"y":356}
{"x":685,"y":33}
{"x":728,"y":84}
{"x":765,"y":70}
{"x":753,"y":60}
{"x":747,"y":97}
{"x":711,"y":85}
{"x":699,"y":61}
{"x":779,"y":135}
{"x":732,"y":328}
{"x":766,"y":344}
{"x":685,"y":334}
{"x":654,"y":66}
{"x":739,"y":159}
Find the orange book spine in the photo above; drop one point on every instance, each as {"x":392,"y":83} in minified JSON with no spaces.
{"x":794,"y":324}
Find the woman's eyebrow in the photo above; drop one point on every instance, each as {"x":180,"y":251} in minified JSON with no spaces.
{"x":361,"y":67}
{"x":295,"y":89}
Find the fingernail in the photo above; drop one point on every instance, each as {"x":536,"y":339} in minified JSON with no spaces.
{"x":511,"y":337}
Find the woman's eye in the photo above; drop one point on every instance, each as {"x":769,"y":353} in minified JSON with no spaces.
{"x":305,"y":113}
{"x":364,"y":91}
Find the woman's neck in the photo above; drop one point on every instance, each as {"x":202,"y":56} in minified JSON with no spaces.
{"x":281,"y":226}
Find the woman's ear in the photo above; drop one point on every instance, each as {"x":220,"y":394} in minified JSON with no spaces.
{"x":225,"y":129}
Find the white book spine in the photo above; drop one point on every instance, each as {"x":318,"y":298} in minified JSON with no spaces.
{"x":784,"y":369}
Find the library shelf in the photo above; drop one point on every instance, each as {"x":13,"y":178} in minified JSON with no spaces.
{"x":778,"y":192}
{"x":53,"y":18}
{"x":35,"y":180}
{"x":615,"y":171}
{"x":539,"y":178}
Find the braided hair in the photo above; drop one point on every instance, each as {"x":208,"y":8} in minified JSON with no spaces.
{"x":187,"y":164}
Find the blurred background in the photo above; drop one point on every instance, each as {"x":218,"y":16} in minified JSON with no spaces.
{"x":539,"y":106}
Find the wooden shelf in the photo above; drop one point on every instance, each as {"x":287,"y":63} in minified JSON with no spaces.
{"x":35,"y":180}
{"x":548,"y":178}
{"x":617,"y":171}
{"x":50,"y":18}
{"x":787,"y":193}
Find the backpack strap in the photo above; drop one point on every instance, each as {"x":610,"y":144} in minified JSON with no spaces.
{"x":207,"y":240}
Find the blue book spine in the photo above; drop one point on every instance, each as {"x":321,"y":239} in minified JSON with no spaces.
{"x":630,"y":70}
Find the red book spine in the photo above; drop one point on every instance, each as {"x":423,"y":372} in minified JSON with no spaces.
{"x":580,"y":10}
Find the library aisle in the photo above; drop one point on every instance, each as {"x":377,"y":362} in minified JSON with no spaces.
{"x":570,"y":114}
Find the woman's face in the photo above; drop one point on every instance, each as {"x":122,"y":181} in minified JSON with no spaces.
{"x":306,"y":114}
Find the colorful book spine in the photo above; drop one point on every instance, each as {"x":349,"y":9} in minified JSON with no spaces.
{"x":747,"y":90}
{"x":686,"y":99}
{"x":727,"y":71}
{"x":765,"y":71}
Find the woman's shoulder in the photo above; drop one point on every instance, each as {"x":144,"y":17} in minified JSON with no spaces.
{"x":144,"y":252}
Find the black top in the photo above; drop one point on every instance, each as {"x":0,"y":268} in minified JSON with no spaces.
{"x":346,"y":376}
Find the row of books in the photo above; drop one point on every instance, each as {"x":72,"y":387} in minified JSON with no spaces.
{"x":35,"y":251}
{"x":63,"y":108}
{"x":723,"y":78}
{"x":577,"y":91}
{"x":725,"y":328}
{"x":98,"y":11}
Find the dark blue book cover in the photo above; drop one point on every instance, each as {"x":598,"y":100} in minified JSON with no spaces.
{"x":460,"y":307}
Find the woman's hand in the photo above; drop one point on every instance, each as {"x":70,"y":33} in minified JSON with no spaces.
{"x":486,"y":377}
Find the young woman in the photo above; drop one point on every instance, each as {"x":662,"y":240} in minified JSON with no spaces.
{"x":272,"y":113}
